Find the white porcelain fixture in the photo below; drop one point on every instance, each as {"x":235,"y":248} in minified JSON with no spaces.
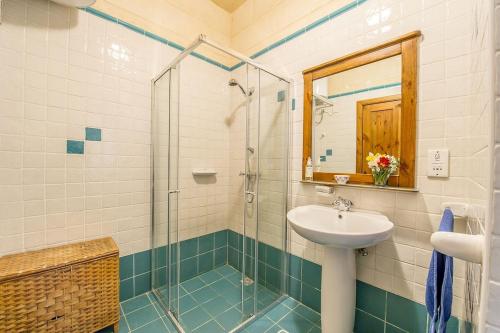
{"x":342,"y":179}
{"x":457,"y":245}
{"x":75,"y":3}
{"x":341,"y":233}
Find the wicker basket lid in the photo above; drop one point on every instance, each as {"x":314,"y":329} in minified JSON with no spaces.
{"x":21,"y":264}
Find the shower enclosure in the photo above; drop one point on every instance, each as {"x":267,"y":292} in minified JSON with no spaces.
{"x":219,"y":190}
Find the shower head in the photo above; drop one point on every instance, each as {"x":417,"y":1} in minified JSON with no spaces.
{"x":233,"y":83}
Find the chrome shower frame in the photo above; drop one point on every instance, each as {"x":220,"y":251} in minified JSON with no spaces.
{"x":174,"y":65}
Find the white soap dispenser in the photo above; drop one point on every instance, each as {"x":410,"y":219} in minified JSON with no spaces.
{"x":309,"y":169}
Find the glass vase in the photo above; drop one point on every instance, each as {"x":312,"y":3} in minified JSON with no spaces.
{"x":380,"y":178}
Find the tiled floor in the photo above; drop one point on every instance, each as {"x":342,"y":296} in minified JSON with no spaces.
{"x":211,"y":302}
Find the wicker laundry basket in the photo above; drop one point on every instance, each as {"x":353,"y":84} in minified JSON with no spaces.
{"x":69,"y":288}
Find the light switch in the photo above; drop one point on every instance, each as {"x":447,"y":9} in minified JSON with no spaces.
{"x":438,"y":163}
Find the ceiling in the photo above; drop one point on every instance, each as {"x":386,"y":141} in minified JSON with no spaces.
{"x":229,"y":5}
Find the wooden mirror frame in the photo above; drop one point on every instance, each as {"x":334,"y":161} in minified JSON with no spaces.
{"x":406,"y":46}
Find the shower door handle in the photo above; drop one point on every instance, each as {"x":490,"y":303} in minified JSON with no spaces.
{"x":174,"y":191}
{"x":250,"y":196}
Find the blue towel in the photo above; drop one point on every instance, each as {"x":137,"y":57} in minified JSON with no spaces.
{"x":439,"y":290}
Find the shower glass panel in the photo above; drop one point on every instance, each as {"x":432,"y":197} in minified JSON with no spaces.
{"x":160,"y":127}
{"x":218,"y":241}
{"x":272,"y":186}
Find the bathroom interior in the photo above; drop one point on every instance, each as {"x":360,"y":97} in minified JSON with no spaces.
{"x":249,"y":166}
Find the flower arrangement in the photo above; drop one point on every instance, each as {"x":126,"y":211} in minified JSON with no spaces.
{"x":382,"y":166}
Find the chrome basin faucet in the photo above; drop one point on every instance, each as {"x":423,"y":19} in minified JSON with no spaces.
{"x":342,"y":204}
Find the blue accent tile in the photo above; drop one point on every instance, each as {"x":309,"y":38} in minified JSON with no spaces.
{"x":126,"y":289}
{"x":311,"y":297}
{"x":220,"y":239}
{"x":293,"y":104}
{"x":220,"y":256}
{"x":392,"y":329}
{"x":317,"y":23}
{"x":142,"y":262}
{"x":189,"y":248}
{"x":131,"y":27}
{"x":370,"y":299}
{"x":281,"y":95}
{"x":322,"y":158}
{"x":142,"y":283}
{"x":126,"y":267}
{"x":311,"y":274}
{"x":92,"y":134}
{"x":365,"y":323}
{"x":406,"y":314}
{"x":189,"y":268}
{"x":101,"y":14}
{"x":329,"y":152}
{"x":75,"y":147}
{"x":205,"y":262}
{"x":205,"y":243}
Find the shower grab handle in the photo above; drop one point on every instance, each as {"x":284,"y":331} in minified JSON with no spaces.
{"x":174,"y":191}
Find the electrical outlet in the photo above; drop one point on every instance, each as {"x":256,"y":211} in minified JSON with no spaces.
{"x":438,"y":163}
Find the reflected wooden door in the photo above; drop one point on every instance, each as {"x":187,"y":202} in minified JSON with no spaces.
{"x":378,"y":129}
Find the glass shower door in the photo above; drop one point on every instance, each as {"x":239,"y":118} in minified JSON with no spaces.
{"x":160,"y":127}
{"x":272,"y":190}
{"x":164,"y":180}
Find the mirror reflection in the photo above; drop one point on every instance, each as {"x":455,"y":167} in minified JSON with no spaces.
{"x":356,"y":112}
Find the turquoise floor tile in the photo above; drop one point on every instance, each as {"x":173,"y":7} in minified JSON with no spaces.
{"x":156,"y":326}
{"x":187,"y":303}
{"x":290,"y":303}
{"x":295,"y":323}
{"x":195,"y":318}
{"x":210,"y":277}
{"x":135,"y":303}
{"x":278,"y":312}
{"x":141,"y":317}
{"x":210,"y":327}
{"x":226,"y":270}
{"x":193,"y":284}
{"x":309,"y":314}
{"x":216,"y":306}
{"x":204,"y":294}
{"x":123,"y":326}
{"x":261,"y":325}
{"x":229,"y":319}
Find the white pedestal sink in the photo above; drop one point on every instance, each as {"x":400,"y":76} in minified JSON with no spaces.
{"x":341,"y":233}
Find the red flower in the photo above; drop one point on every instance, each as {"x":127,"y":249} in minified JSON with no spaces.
{"x":384,"y":162}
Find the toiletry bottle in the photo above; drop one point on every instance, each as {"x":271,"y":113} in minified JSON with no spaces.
{"x":317,"y":166}
{"x":309,"y":169}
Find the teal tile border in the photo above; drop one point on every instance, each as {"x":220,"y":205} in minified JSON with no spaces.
{"x":354,"y":92}
{"x":202,"y":254}
{"x":286,"y":39}
{"x":375,"y":308}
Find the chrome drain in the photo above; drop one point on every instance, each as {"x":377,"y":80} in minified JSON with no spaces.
{"x":247,"y":281}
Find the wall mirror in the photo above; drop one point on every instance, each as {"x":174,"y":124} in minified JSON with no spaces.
{"x":363,"y":103}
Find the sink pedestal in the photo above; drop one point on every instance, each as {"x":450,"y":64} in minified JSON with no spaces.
{"x":338,"y":290}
